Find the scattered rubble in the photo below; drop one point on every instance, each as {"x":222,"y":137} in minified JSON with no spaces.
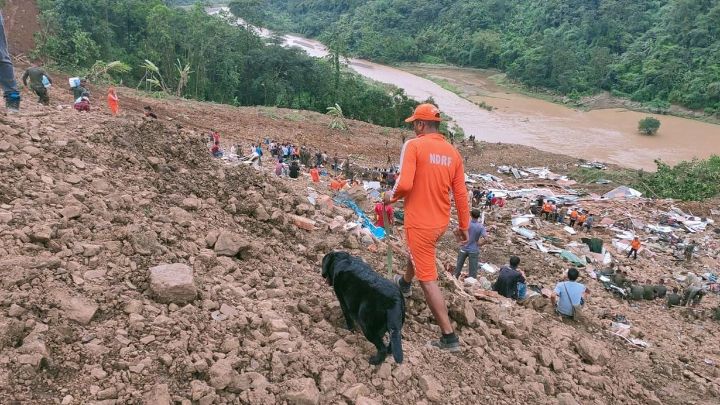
{"x":136,"y":269}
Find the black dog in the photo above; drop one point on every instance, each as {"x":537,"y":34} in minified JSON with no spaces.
{"x":368,"y":299}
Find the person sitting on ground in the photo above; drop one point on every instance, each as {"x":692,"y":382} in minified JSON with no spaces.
{"x":315,"y":175}
{"x":471,"y":249}
{"x":511,"y":282}
{"x":661,"y":289}
{"x":619,"y":279}
{"x":693,"y":294}
{"x":573,"y":217}
{"x":674,"y":299}
{"x":279,"y":167}
{"x":294,"y":169}
{"x":35,"y":73}
{"x":636,"y":291}
{"x":149,"y":112}
{"x":78,"y":91}
{"x":389,"y":212}
{"x":648,"y":291}
{"x":83,"y":103}
{"x":634,"y":247}
{"x":568,"y":294}
{"x":589,"y":222}
{"x":216,"y":150}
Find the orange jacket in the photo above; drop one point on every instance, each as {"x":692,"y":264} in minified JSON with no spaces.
{"x":635,"y":244}
{"x":429,"y":169}
{"x":315,"y":174}
{"x":574,"y":214}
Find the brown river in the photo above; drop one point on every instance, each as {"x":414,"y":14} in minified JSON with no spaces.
{"x":607,"y":135}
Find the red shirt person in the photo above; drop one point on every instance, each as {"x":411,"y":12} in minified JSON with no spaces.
{"x":379,"y":219}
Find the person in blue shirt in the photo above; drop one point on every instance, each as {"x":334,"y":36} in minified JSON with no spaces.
{"x":569,"y":293}
{"x":471,"y":249}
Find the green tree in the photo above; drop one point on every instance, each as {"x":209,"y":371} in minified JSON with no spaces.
{"x":648,"y":126}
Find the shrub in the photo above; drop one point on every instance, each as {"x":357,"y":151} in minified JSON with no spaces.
{"x":648,"y":126}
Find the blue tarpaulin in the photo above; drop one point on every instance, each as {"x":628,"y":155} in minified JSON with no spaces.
{"x":345,"y":199}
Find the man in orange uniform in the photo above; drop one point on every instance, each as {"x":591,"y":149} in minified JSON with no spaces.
{"x":634,"y":247}
{"x":429,"y":168}
{"x":315,"y":175}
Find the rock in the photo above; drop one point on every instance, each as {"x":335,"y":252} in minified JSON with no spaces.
{"x":173,"y":283}
{"x":221,"y":374}
{"x":261,"y":213}
{"x":366,"y":401}
{"x":303,"y":223}
{"x":384,"y":371}
{"x":463,"y":313}
{"x":211,"y":238}
{"x":591,"y":352}
{"x":78,"y":309}
{"x":402,"y":373}
{"x":355,"y":391}
{"x":109,"y":393}
{"x":158,"y":395}
{"x":16,"y":311}
{"x":41,"y":234}
{"x":192,"y":203}
{"x":303,"y":391}
{"x":566,"y":399}
{"x":71,"y":212}
{"x":230,"y":244}
{"x":5,"y":217}
{"x":90,"y":250}
{"x":11,"y":332}
{"x":431,"y":387}
{"x":145,"y":243}
{"x":180,"y":216}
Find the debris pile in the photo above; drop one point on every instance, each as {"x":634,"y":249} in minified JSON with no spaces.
{"x":137,"y":269}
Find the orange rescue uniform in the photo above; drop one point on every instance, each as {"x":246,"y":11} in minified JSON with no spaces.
{"x":635,"y":244}
{"x":429,"y":169}
{"x":315,"y":174}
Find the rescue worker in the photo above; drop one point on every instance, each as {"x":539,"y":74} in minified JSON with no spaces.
{"x":35,"y":73}
{"x":634,"y":247}
{"x":430,"y":168}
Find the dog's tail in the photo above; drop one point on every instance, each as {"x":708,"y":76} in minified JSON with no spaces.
{"x":395,"y":320}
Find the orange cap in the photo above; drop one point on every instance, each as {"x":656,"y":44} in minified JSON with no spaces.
{"x":425,"y":112}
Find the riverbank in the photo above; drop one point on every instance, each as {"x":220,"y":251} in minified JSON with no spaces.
{"x":438,"y":73}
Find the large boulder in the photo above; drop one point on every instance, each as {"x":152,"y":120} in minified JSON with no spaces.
{"x":230,"y":244}
{"x":173,"y":283}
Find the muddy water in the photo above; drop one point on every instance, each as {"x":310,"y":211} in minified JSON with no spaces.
{"x":608,"y":135}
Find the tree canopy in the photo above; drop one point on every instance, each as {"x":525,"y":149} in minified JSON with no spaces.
{"x":656,"y":51}
{"x":221,"y":62}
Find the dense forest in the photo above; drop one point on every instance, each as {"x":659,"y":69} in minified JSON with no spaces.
{"x":204,"y":57}
{"x":653,"y":51}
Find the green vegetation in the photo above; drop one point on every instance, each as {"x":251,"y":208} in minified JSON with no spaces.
{"x":648,"y":126}
{"x":688,"y":181}
{"x":652,"y":51}
{"x":337,"y":120}
{"x":187,"y":53}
